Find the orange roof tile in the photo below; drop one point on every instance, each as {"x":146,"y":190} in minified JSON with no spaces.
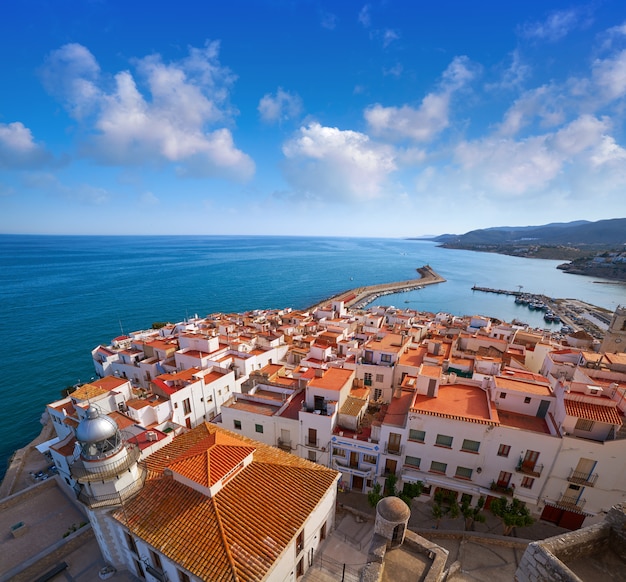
{"x":457,"y":401}
{"x":225,"y":537}
{"x":333,"y":379}
{"x":504,"y":383}
{"x":595,"y":412}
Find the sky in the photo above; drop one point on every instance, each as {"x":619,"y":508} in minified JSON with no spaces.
{"x":388,"y":118}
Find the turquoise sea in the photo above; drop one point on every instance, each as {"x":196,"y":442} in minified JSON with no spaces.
{"x":60,"y":296}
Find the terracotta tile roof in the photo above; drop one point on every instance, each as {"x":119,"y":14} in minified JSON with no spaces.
{"x":225,"y":537}
{"x":504,"y":383}
{"x":459,"y":402}
{"x":333,"y":379}
{"x":109,"y":382}
{"x":88,"y":391}
{"x":352,"y":406}
{"x":595,"y":412}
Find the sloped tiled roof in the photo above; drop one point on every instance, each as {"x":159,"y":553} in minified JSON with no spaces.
{"x":595,"y":412}
{"x":239,"y":532}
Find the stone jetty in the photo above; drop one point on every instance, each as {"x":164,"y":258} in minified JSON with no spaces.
{"x":362,"y":296}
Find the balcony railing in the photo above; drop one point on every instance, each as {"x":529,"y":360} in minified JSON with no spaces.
{"x":80,"y":472}
{"x":569,"y":502}
{"x":582,"y":478}
{"x":527,"y":469}
{"x":94,"y":500}
{"x":284,"y":445}
{"x":393,"y":449}
{"x":312,"y":442}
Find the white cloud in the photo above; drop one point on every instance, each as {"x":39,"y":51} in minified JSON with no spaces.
{"x":148,"y":199}
{"x":365,"y":17}
{"x":175,"y":122}
{"x":395,"y":71}
{"x":83,"y":193}
{"x":504,"y":167}
{"x":431,"y":117}
{"x":328,"y":163}
{"x":328,"y":20}
{"x":609,"y":75}
{"x":556,"y":26}
{"x":544,"y":103}
{"x":279,"y":107}
{"x":389,"y":36}
{"x":18,"y":149}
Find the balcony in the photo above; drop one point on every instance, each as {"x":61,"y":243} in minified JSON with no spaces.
{"x":393,"y":449}
{"x":284,"y":445}
{"x":570,"y":503}
{"x":81,"y":473}
{"x":503,"y":488}
{"x":582,"y":478}
{"x":312,"y":442}
{"x":95,"y":501}
{"x":534,"y":470}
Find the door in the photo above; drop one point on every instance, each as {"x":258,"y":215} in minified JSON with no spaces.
{"x":357,"y":483}
{"x":530,"y":460}
{"x":390,"y":466}
{"x":394,"y":442}
{"x":584,"y":470}
{"x":432,"y":384}
{"x":354,"y":459}
{"x":285,"y":436}
{"x":312,"y":437}
{"x":543,"y":408}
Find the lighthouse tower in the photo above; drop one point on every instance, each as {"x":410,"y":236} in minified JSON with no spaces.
{"x":107,"y":473}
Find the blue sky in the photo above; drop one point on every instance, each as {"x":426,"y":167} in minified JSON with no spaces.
{"x":385,"y":118}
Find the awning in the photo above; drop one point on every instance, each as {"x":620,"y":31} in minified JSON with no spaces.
{"x":45,"y":447}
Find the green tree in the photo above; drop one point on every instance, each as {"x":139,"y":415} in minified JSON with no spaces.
{"x":474,"y":513}
{"x":375,"y":495}
{"x":513,"y":513}
{"x":437,"y":513}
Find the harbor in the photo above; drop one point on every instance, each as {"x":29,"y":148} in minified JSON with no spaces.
{"x":573,"y":314}
{"x":362,"y":296}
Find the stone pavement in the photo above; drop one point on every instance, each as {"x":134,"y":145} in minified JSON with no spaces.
{"x":482,"y":555}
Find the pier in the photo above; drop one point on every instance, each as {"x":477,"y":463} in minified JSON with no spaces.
{"x":362,"y":296}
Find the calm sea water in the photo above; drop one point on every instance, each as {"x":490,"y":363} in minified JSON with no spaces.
{"x":62,"y":296}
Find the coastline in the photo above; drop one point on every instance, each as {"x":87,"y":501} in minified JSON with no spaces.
{"x":24,"y":461}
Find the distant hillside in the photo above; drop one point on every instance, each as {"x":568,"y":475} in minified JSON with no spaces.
{"x":603,"y":233}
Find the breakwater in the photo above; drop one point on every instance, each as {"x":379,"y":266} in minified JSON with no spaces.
{"x":361,"y":296}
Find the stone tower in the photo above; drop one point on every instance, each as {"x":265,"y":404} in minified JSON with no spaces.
{"x":615,"y":337}
{"x":392,"y":518}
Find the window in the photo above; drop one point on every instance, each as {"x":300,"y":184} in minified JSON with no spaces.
{"x":412,"y":461}
{"x":436,"y":467}
{"x":504,"y":450}
{"x":227,"y":389}
{"x":503,"y":395}
{"x":367,"y":379}
{"x":444,"y":441}
{"x":527,"y":400}
{"x":527,"y":482}
{"x":156,"y":559}
{"x":584,"y":424}
{"x":370,"y":459}
{"x":470,"y":446}
{"x":378,"y":394}
{"x":385,"y":358}
{"x":463,"y":473}
{"x":300,"y":542}
{"x":312,"y":456}
{"x":130,"y":542}
{"x":339,"y":452}
{"x":417,"y":435}
{"x":219,"y":392}
{"x":380,"y":378}
{"x":237,"y":424}
{"x":183,"y":577}
{"x":258,"y":428}
{"x":209,"y":398}
{"x":186,"y":406}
